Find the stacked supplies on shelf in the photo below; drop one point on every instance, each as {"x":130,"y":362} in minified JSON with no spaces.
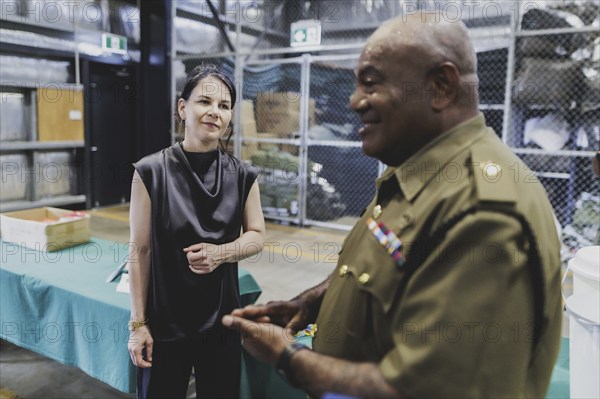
{"x":17,"y":70}
{"x":12,"y":122}
{"x":13,"y":169}
{"x":55,"y":173}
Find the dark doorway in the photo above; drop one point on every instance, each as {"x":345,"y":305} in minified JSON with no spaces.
{"x":111,"y":107}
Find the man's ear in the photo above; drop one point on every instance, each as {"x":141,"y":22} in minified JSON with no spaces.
{"x":445,"y":79}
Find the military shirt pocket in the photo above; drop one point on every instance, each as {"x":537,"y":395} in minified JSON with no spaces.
{"x":354,"y":302}
{"x":370,"y":276}
{"x":370,"y":286}
{"x":380,"y":278}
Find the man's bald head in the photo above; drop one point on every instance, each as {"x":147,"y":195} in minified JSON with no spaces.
{"x":433,"y":38}
{"x":427,"y":40}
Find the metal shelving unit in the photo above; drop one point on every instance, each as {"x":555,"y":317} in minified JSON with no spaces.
{"x":496,"y":36}
{"x":28,"y":150}
{"x":75,"y":37}
{"x":565,"y":172}
{"x":250,"y":29}
{"x":40,"y":145}
{"x":63,"y":200}
{"x":36,"y":85}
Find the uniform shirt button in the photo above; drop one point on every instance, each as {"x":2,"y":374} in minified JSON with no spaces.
{"x":364,"y":278}
{"x":343,"y":270}
{"x":491,"y":169}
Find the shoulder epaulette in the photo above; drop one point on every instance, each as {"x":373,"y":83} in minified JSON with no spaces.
{"x":493,"y":176}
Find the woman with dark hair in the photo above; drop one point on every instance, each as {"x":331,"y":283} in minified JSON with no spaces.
{"x":189,"y":203}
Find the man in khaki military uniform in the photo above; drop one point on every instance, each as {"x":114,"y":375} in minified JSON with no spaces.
{"x":449,"y":284}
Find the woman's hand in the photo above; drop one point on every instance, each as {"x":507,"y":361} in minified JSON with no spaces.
{"x":139,"y":339}
{"x":204,"y":258}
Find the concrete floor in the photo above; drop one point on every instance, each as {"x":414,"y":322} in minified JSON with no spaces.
{"x":293,"y":260}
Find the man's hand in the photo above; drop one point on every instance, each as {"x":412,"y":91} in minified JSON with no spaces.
{"x":264,"y":341}
{"x":204,"y":258}
{"x":139,"y":339}
{"x":293,"y":315}
{"x":317,"y":374}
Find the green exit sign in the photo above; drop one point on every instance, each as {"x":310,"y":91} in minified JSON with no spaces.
{"x":114,"y":43}
{"x":305,"y":33}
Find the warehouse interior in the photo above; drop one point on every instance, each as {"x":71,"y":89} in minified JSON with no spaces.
{"x":89,"y":88}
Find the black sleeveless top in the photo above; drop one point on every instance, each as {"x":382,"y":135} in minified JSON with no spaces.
{"x":204,"y":165}
{"x":180,"y":303}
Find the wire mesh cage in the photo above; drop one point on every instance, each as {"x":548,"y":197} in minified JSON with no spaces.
{"x":555,"y":110}
{"x":573,"y":192}
{"x":270,"y":127}
{"x":539,"y":89}
{"x":345,"y":183}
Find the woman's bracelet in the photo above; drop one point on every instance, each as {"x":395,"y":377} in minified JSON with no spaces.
{"x":135,"y":324}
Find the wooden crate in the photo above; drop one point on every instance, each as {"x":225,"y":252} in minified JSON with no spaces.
{"x":45,"y":229}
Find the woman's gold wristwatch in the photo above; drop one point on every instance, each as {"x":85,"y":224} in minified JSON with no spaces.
{"x":135,"y":324}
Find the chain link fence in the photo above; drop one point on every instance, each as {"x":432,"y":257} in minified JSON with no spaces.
{"x":539,"y":90}
{"x":554,"y":110}
{"x":334,"y":144}
{"x":270,"y":127}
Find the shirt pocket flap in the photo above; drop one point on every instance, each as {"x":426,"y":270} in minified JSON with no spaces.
{"x":380,"y":278}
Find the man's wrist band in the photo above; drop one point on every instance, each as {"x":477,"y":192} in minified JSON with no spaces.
{"x":283,"y":365}
{"x":135,"y":324}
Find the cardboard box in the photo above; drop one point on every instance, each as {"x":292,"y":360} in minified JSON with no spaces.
{"x":45,"y":229}
{"x":248,"y":149}
{"x":249,"y":129}
{"x":248,"y":122}
{"x":247,"y":109}
{"x":279,"y":112}
{"x":60,"y":114}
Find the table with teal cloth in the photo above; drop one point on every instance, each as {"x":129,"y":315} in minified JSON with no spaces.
{"x":58,"y":304}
